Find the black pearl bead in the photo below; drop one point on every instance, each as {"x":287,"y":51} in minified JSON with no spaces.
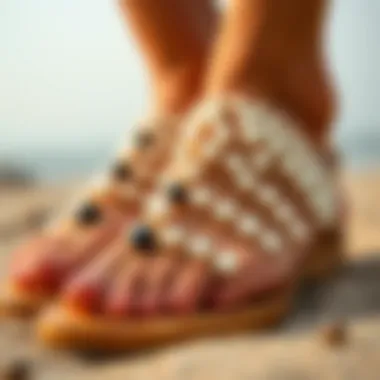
{"x":176,"y":193}
{"x":121,"y":171}
{"x":142,"y":238}
{"x":88,"y":214}
{"x":144,"y":139}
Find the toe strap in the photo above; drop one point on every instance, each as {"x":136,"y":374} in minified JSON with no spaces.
{"x":250,"y":170}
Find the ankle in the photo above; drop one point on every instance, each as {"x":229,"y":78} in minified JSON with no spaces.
{"x":299,"y":85}
{"x":174,"y":38}
{"x":177,"y":87}
{"x":264,"y":51}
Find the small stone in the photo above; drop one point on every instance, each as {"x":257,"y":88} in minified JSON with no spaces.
{"x":121,"y":171}
{"x":177,"y":193}
{"x":16,"y":370}
{"x":143,"y":238}
{"x":88,"y":214}
{"x":335,"y":334}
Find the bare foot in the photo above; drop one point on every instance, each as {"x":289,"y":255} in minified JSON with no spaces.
{"x":107,"y":207}
{"x":246,"y":196}
{"x":261,"y":94}
{"x":246,"y":201}
{"x":176,"y":60}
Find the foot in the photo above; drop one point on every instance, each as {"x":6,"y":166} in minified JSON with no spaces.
{"x":44,"y":262}
{"x":174,"y":37}
{"x":243,"y":203}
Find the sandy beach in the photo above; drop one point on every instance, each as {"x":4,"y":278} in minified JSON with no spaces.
{"x":296,"y":351}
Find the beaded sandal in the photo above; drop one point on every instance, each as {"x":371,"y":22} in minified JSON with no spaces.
{"x":44,"y":262}
{"x":250,"y":200}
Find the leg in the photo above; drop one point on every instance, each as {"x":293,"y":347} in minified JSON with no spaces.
{"x":174,"y":36}
{"x":246,"y":197}
{"x":275,"y":48}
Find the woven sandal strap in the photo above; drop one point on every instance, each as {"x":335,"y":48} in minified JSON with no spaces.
{"x":270,"y":139}
{"x":105,"y":188}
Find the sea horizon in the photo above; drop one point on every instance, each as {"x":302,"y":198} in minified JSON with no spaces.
{"x":59,"y":164}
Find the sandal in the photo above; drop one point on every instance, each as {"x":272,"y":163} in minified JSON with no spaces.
{"x":243,"y":213}
{"x":45,"y":261}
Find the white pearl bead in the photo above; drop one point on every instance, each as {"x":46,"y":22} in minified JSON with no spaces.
{"x":269,"y":195}
{"x":288,"y":141}
{"x":157,"y":206}
{"x":173,"y":236}
{"x":248,"y":225}
{"x":225,"y":210}
{"x":233,"y":162}
{"x":201,"y":196}
{"x":271,"y":242}
{"x":249,"y":125}
{"x":101,"y":182}
{"x":215,"y":143}
{"x":226,"y":263}
{"x":292,"y":165}
{"x":245,"y":183}
{"x":320,"y":201}
{"x":276,"y":141}
{"x":200,"y":247}
{"x":309,"y":178}
{"x":252,"y":134}
{"x":326,"y":210}
{"x":299,"y":231}
{"x":284,"y":212}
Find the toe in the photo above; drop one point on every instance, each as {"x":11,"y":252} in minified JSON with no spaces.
{"x":188,"y":287}
{"x":257,"y":279}
{"x":40,"y":266}
{"x":87,"y":289}
{"x":157,"y":281}
{"x":43,"y":275}
{"x":124,"y":297}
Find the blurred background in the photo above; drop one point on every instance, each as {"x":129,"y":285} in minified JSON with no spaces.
{"x":71,"y":83}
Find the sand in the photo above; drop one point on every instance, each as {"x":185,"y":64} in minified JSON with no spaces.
{"x":297,"y":350}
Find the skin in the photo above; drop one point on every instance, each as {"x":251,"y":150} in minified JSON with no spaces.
{"x":175,"y":54}
{"x":174,"y":38}
{"x":265,"y":48}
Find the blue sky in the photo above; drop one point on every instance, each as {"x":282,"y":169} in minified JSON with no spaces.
{"x":70,"y":75}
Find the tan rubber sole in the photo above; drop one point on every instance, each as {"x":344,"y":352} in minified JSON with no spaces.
{"x":59,"y":327}
{"x":15,"y":302}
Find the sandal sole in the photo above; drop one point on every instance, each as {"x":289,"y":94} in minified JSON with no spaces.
{"x":18,"y":303}
{"x":62,"y":328}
